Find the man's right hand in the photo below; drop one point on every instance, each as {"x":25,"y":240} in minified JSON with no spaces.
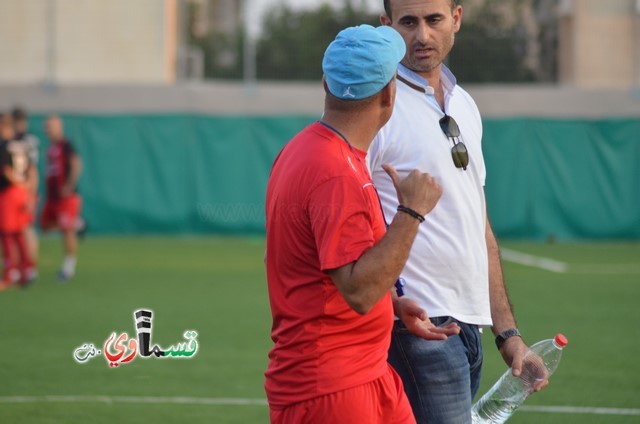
{"x":418,"y":191}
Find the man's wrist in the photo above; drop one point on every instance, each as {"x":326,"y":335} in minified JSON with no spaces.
{"x":506,"y":334}
{"x":411,"y":212}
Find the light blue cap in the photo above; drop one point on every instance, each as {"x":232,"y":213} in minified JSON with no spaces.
{"x":362,"y":60}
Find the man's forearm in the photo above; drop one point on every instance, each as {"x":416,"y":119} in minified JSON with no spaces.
{"x":74,"y":173}
{"x":364,"y":282}
{"x":32,"y":179}
{"x":501,"y":309}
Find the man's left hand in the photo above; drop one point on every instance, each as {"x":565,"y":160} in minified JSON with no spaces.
{"x":513,"y":352}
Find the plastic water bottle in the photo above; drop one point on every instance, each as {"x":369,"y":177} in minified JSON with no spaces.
{"x":509,"y":392}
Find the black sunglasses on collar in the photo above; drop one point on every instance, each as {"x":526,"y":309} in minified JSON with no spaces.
{"x":459,"y":152}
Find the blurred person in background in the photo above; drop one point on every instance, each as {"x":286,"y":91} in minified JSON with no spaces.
{"x":16,"y":207}
{"x":63,"y":203}
{"x":330,"y":265}
{"x":454,"y":270}
{"x":32,"y":145}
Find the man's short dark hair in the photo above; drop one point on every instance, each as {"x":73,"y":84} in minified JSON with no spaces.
{"x":19,"y":114}
{"x":341,"y":105}
{"x":387,"y":6}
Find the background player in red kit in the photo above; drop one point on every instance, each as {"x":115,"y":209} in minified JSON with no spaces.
{"x":31,"y":144}
{"x":330,"y":265}
{"x":62,"y":206}
{"x":15,"y":207}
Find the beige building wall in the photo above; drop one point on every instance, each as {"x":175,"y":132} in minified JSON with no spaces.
{"x":87,"y":41}
{"x":600,"y":43}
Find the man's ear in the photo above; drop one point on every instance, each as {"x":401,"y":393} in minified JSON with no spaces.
{"x":324,"y":84}
{"x":385,"y":20}
{"x":387,"y":94}
{"x":457,"y":18}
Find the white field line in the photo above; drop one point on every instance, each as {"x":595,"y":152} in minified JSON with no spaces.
{"x":562,"y":267}
{"x":580,"y":410}
{"x":132,"y":399}
{"x":263,"y":402}
{"x":605,"y":269}
{"x":534,"y":261}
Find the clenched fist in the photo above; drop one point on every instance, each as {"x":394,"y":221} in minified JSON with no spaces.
{"x":418,"y":191}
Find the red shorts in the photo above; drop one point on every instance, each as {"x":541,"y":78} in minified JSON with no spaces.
{"x":62,"y":213}
{"x":380,"y":401}
{"x":14,"y":209}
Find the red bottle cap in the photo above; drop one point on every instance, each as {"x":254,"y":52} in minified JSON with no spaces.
{"x":561,"y":340}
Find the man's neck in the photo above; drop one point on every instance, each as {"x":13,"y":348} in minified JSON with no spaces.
{"x":433,"y":77}
{"x":358,"y":129}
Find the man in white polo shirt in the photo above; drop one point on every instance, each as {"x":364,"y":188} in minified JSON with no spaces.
{"x":453,"y":272}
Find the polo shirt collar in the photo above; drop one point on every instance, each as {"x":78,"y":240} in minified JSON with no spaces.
{"x":448,"y":79}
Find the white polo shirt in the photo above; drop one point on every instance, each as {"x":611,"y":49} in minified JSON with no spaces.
{"x":447,"y":270}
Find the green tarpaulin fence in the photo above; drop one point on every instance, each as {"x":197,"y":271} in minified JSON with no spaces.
{"x":568,"y":179}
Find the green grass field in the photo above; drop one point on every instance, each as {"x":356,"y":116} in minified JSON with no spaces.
{"x":217,"y":287}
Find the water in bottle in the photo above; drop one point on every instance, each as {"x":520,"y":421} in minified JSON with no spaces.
{"x":509,"y":392}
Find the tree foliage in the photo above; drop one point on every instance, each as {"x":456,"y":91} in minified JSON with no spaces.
{"x":293,"y":42}
{"x":499,"y":41}
{"x":488,"y":50}
{"x":507,"y":42}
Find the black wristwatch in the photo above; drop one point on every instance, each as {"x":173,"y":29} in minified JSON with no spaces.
{"x":502,"y":337}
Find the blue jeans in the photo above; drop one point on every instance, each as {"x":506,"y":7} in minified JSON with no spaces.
{"x":440,"y":378}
